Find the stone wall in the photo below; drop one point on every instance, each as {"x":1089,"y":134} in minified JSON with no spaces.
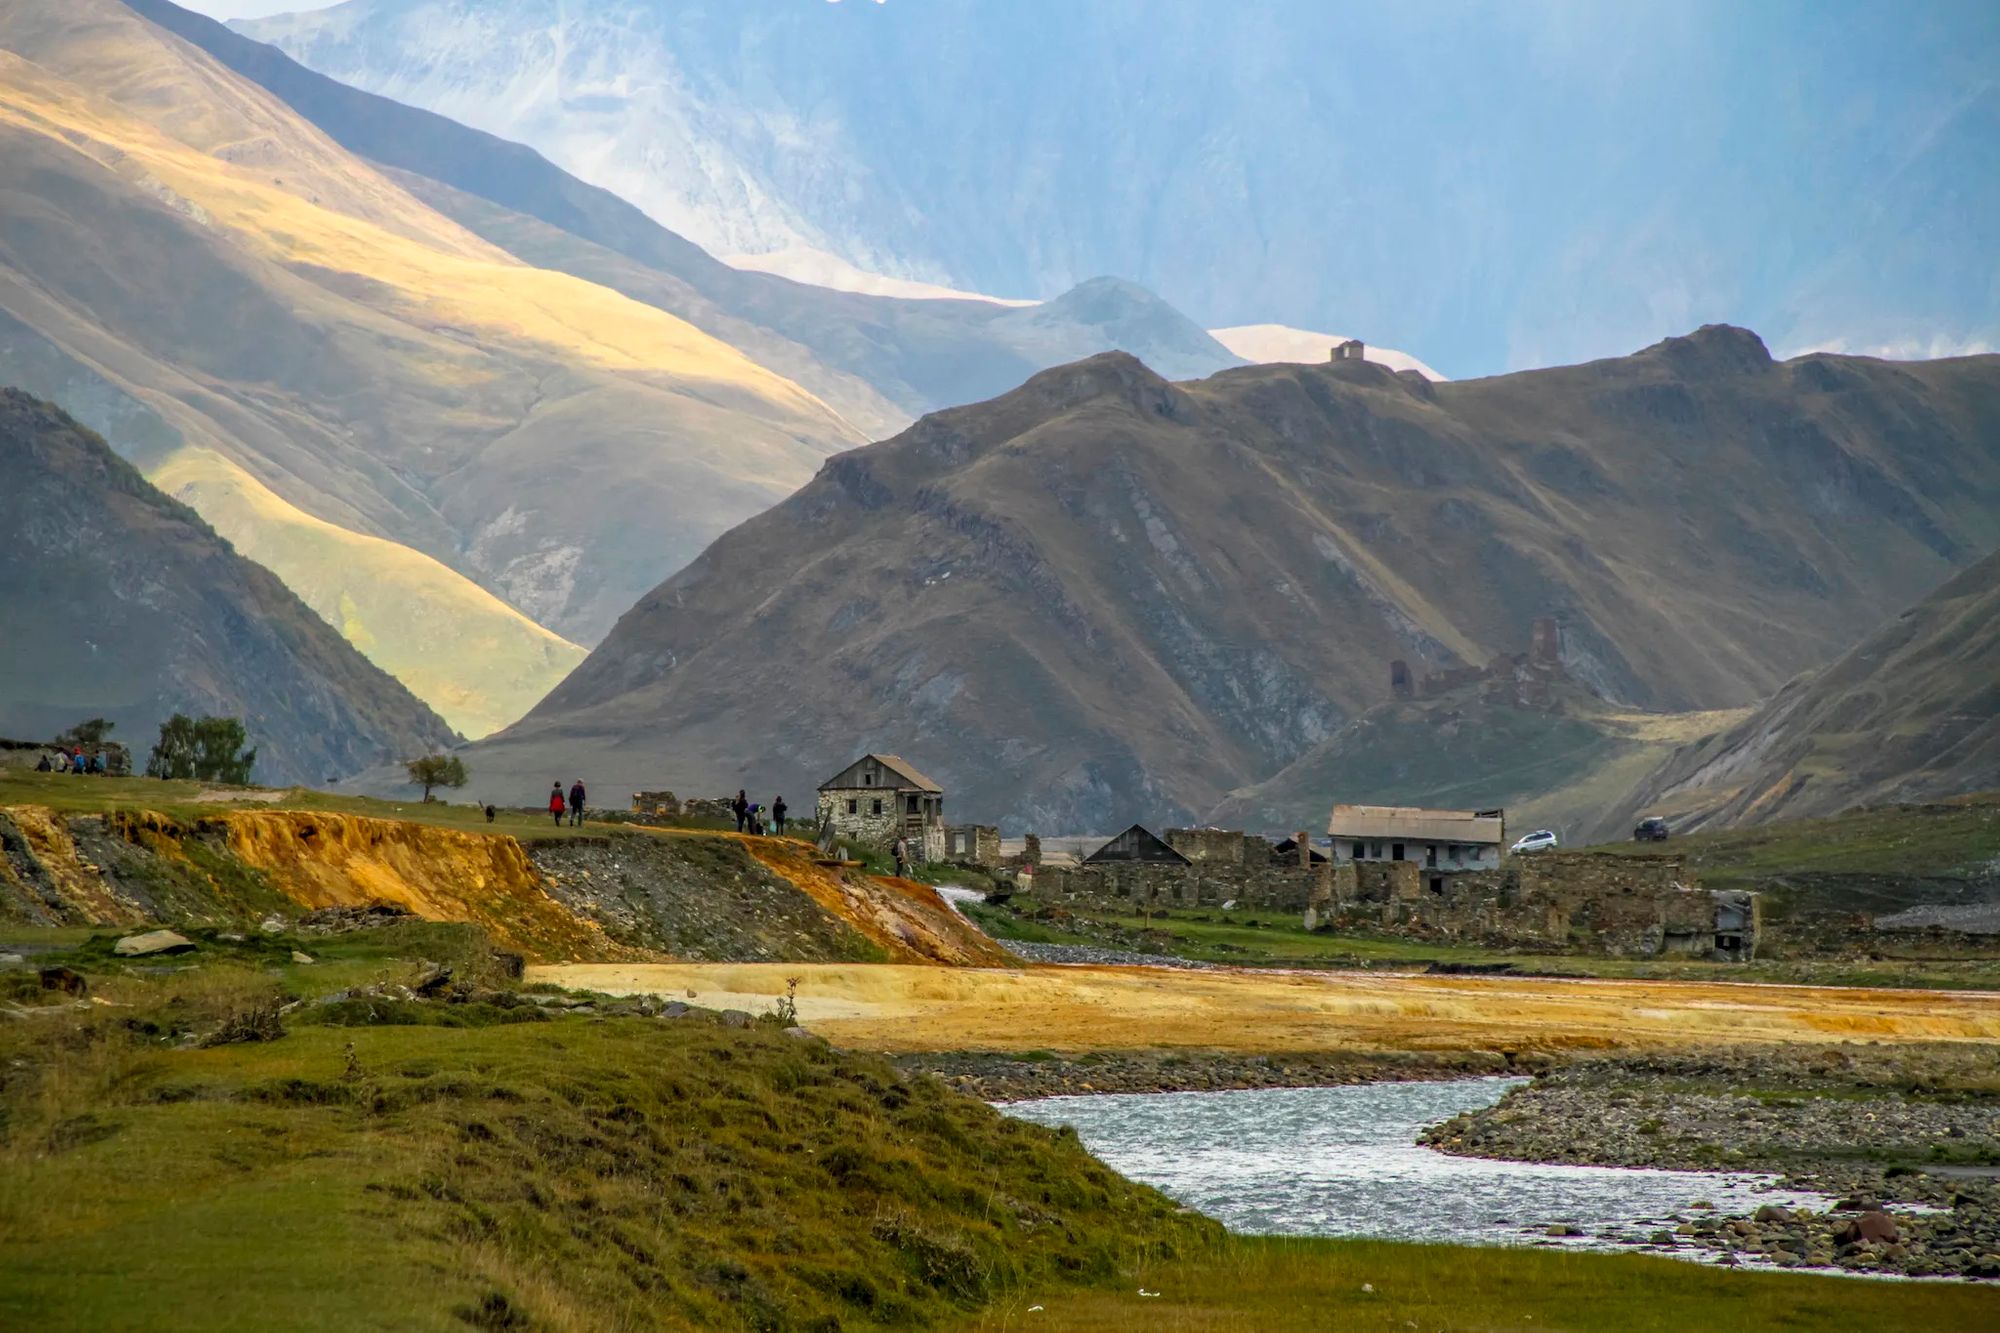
{"x":1628,"y":906}
{"x":1131,"y":886}
{"x":973,"y":844}
{"x":864,"y":825}
{"x":1219,"y":846}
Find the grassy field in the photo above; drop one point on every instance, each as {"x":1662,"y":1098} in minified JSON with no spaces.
{"x":191,"y":800}
{"x":1957,"y":838}
{"x":1249,"y":938}
{"x":180,"y":1149}
{"x":1280,"y":1284}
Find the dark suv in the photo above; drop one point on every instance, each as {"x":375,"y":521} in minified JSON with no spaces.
{"x":1651,"y":829}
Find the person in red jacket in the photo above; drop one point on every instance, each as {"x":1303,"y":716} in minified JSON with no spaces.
{"x":556,"y":801}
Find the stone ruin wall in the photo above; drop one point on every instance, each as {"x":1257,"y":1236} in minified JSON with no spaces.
{"x":1634,"y":906}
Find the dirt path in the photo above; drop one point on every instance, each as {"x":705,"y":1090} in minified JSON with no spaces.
{"x":900,"y":1008}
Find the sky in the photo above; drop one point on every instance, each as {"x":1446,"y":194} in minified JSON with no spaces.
{"x":247,"y":9}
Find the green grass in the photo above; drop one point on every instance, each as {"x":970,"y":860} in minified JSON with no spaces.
{"x":373,"y":1167}
{"x":1280,"y":940}
{"x":98,"y":795}
{"x":1959,"y":838}
{"x":1281,"y":1284}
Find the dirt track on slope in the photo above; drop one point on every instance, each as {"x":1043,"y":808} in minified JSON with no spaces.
{"x":1070,"y":1009}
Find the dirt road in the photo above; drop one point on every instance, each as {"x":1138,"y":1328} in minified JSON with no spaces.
{"x":916,"y":1008}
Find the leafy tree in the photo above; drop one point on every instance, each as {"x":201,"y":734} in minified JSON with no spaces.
{"x":207,"y":750}
{"x":89,"y":734}
{"x":436,"y":770}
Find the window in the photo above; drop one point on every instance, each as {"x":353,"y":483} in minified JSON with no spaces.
{"x":878,"y":806}
{"x":916,"y":805}
{"x":853,"y":807}
{"x":1396,"y":852}
{"x":867,"y":779}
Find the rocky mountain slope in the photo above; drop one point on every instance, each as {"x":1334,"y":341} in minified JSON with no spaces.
{"x":488,"y":451}
{"x":1105,"y":597}
{"x":121,"y":602}
{"x":880,"y":361}
{"x":1912,"y":713}
{"x":1461,"y":182}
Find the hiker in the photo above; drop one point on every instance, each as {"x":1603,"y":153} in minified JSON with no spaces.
{"x":45,"y":766}
{"x":556,"y":801}
{"x":576,"y":803}
{"x":62,"y":761}
{"x":902,"y":852}
{"x":490,"y":812}
{"x":741,"y":805}
{"x":778,"y":816}
{"x":78,"y":764}
{"x":754,"y":817}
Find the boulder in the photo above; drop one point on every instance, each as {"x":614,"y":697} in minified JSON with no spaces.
{"x":736,"y":1018}
{"x":1770,"y":1212}
{"x":301,"y":956}
{"x":152,"y":942}
{"x":1871,"y":1226}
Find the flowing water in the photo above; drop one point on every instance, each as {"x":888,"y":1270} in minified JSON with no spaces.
{"x":1343,"y":1162}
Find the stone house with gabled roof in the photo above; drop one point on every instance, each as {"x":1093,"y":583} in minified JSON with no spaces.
{"x":881,"y":797}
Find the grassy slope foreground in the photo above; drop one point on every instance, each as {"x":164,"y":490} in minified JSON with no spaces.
{"x":228,"y":1145}
{"x":485,"y":1165}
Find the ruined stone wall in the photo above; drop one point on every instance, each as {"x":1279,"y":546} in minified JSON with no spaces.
{"x":975,"y":844}
{"x":1135,"y":885}
{"x":1221,"y":846}
{"x":1636,"y":906}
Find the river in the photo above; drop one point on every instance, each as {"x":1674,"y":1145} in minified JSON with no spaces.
{"x":1343,"y":1162}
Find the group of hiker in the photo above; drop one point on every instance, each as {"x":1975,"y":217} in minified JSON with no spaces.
{"x":73,"y":761}
{"x":574,"y":806}
{"x":750,"y":816}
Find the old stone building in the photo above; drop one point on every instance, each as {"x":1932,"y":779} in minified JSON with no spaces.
{"x":1351,"y":350}
{"x":881,"y":797}
{"x":1439,"y":842}
{"x":1552,"y":902}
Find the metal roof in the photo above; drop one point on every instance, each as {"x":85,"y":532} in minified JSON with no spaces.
{"x":1414,"y":824}
{"x":896,"y":764}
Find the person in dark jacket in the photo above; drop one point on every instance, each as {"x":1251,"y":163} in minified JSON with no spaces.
{"x":576,"y":803}
{"x":556,"y":802}
{"x":741,"y":805}
{"x":778,"y":816}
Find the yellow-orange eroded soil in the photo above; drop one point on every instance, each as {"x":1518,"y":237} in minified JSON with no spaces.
{"x":899,"y":1008}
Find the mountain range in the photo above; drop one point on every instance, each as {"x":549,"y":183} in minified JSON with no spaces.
{"x":468,"y":436}
{"x":122,"y":603}
{"x":1105,"y":596}
{"x":1493,"y":185}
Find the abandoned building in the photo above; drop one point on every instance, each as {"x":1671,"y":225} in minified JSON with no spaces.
{"x":972,"y":845}
{"x":1555,"y":902}
{"x":1137,"y":844}
{"x":1439,"y":842}
{"x":1526,"y":680}
{"x":1351,"y":350}
{"x":881,"y":797}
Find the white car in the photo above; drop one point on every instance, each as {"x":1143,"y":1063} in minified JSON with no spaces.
{"x":1541,"y":840}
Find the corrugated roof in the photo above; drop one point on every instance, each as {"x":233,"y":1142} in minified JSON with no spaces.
{"x":1413,"y":823}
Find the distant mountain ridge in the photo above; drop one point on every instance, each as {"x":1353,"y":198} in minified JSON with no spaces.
{"x":1459,"y":181}
{"x":121,"y":602}
{"x":1105,"y":597}
{"x":881,"y":361}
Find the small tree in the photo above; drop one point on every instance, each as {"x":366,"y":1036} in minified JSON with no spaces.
{"x":436,"y":770}
{"x":89,"y":734}
{"x":208,"y":750}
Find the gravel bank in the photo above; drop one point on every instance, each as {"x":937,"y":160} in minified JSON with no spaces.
{"x":1908,"y":1139}
{"x":998,"y":1077}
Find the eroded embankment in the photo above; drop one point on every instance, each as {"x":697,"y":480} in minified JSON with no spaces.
{"x":624,"y":895}
{"x":1072,"y":1009}
{"x":127,"y":867}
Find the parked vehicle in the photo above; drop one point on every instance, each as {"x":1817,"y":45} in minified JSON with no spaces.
{"x":1651,"y":829}
{"x":1541,"y":840}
